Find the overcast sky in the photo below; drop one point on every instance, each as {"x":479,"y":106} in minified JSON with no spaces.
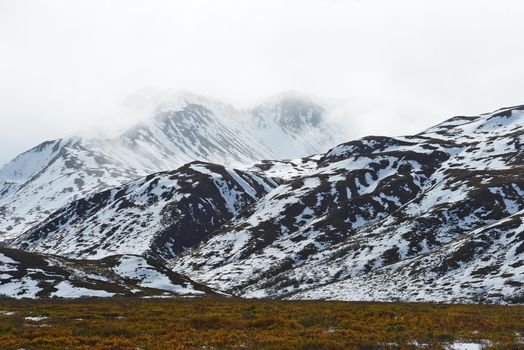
{"x":389,"y":66}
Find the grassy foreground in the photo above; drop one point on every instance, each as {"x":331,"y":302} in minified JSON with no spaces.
{"x":132,"y":323}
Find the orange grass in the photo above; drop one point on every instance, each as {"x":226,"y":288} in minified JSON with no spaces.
{"x":215,"y":323}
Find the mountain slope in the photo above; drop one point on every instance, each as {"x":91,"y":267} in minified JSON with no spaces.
{"x":486,"y":265}
{"x":159,"y":215}
{"x":29,"y":275}
{"x":434,"y":216}
{"x":184,"y":128}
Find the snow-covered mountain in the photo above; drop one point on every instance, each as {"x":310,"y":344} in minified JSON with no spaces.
{"x":28,"y":275}
{"x":184,"y":127}
{"x":437,"y":216}
{"x":292,"y":115}
{"x":159,"y":215}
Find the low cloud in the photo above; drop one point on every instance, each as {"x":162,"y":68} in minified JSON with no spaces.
{"x":387,"y":67}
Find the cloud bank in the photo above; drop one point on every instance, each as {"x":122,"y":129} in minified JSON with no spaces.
{"x":387,"y":67}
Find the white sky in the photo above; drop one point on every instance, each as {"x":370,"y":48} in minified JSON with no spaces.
{"x":389,"y":66}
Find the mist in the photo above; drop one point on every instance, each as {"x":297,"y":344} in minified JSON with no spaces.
{"x":382,"y":67}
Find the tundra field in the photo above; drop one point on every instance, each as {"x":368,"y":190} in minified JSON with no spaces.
{"x":219,"y":323}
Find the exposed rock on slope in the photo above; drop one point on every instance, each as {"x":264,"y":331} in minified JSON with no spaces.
{"x":159,"y":215}
{"x":28,"y":275}
{"x":486,"y":265}
{"x":435,"y":216}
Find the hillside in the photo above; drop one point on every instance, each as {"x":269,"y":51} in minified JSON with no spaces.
{"x":430,"y":217}
{"x":182,"y":128}
{"x":29,"y":275}
{"x":159,"y":215}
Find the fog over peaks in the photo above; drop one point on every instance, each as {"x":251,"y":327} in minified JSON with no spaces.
{"x":380,"y":67}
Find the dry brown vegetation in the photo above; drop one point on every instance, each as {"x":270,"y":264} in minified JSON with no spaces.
{"x":133,"y":323}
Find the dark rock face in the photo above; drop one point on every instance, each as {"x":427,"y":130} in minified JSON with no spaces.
{"x":160,"y":215}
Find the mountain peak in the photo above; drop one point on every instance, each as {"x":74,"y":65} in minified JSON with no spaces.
{"x":291,"y":110}
{"x":171,"y":128}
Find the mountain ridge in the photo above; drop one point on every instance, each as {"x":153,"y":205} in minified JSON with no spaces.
{"x":54,"y":173}
{"x":159,"y":215}
{"x":435,"y":199}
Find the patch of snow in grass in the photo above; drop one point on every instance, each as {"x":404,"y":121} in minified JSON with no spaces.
{"x":465,"y":346}
{"x":35,"y":318}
